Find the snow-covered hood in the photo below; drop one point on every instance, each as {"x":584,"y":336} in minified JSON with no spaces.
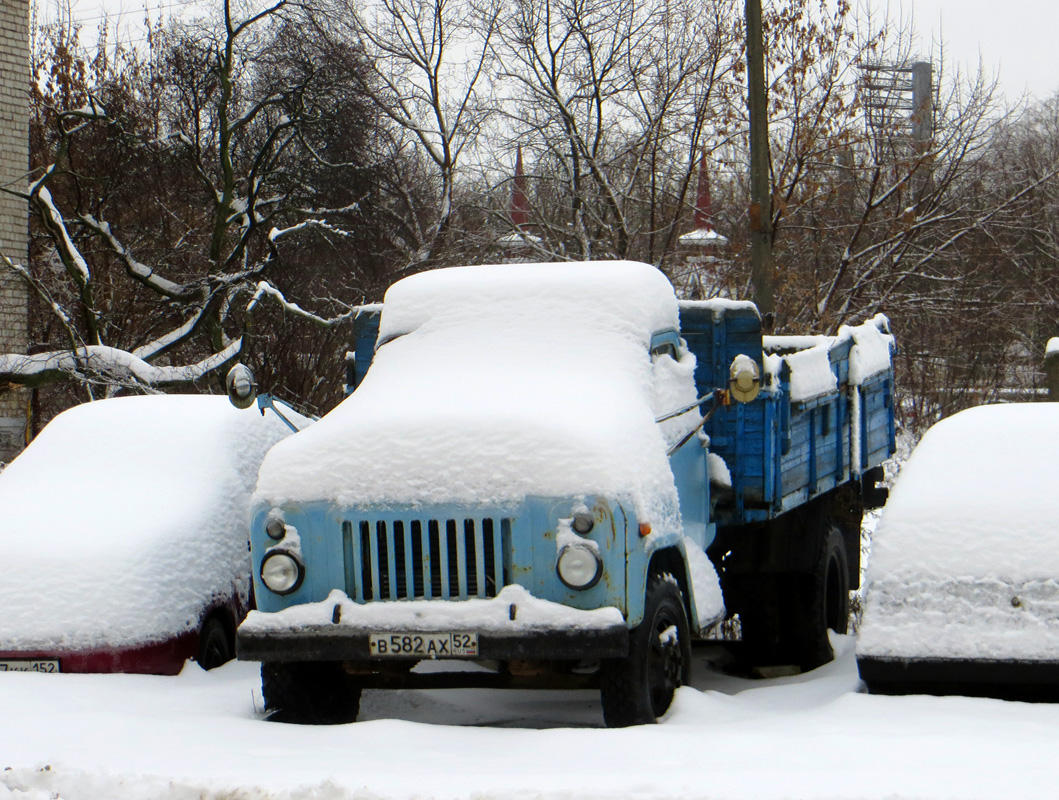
{"x":965,"y":559}
{"x":124,"y":517}
{"x":494,"y":383}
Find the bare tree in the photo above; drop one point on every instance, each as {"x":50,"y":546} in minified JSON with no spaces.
{"x":172,"y":189}
{"x":429,"y":66}
{"x":992,"y":318}
{"x":874,"y":219}
{"x":615,"y":101}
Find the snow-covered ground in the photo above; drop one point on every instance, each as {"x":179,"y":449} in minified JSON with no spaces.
{"x":200,"y":736}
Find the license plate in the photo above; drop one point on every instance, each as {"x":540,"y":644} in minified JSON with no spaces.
{"x":423,"y":645}
{"x":29,"y":665}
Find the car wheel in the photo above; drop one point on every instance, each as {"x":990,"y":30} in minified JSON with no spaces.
{"x":309,"y":693}
{"x":638,"y":689}
{"x":215,"y":644}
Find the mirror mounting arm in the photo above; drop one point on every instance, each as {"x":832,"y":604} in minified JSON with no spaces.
{"x":265,"y":401}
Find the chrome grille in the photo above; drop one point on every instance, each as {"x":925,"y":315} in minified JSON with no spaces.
{"x":403,"y":559}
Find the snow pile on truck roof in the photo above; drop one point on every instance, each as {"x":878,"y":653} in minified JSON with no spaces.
{"x":965,"y":559}
{"x":493,"y":383}
{"x":124,"y":516}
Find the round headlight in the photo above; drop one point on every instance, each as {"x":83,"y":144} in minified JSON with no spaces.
{"x":579,"y":567}
{"x":583,"y":524}
{"x":275,"y":528}
{"x":281,"y":572}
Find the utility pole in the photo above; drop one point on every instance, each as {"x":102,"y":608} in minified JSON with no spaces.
{"x":760,"y":211}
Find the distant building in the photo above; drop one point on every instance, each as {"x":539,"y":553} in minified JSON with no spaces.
{"x":704,"y":251}
{"x":517,"y":244}
{"x":14,"y":214}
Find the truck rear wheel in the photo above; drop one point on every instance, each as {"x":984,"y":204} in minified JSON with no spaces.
{"x":310,"y":693}
{"x":638,"y":689}
{"x":785,"y":617}
{"x":826,"y":600}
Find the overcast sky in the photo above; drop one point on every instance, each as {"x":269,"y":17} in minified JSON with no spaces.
{"x":1017,"y":39}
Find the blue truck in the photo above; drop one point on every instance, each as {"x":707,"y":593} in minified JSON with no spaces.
{"x":555,"y":473}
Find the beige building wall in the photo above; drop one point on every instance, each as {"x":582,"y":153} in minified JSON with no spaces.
{"x":14,"y":165}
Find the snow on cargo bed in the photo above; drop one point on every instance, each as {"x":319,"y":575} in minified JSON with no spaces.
{"x":494,"y":383}
{"x":965,"y":558}
{"x":123,"y":518}
{"x":809,"y":357}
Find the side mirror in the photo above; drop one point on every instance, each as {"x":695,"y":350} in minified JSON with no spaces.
{"x":242,"y":390}
{"x":744,"y":379}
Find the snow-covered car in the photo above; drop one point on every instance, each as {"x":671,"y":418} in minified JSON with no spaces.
{"x":963,"y":578}
{"x":124,"y":535}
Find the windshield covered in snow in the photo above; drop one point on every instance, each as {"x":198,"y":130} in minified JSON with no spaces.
{"x":498,"y":382}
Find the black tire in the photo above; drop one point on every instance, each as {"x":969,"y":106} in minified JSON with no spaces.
{"x":215,"y":644}
{"x":638,"y":689}
{"x":765,"y":629}
{"x":785,"y":618}
{"x":309,"y":693}
{"x":826,"y":600}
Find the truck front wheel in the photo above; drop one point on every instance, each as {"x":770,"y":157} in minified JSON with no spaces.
{"x":639,"y":688}
{"x":313,"y":693}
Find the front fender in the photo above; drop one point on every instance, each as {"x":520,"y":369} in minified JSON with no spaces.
{"x":661,"y":550}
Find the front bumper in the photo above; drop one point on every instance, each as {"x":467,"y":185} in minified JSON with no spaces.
{"x":512,"y":625}
{"x":1007,"y":680}
{"x":166,"y":657}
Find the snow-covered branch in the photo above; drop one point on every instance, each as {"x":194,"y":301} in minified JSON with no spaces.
{"x":138,"y":270}
{"x":277,"y":233}
{"x":265,"y":289}
{"x":112,"y":364}
{"x":171,"y":339}
{"x":54,"y":222}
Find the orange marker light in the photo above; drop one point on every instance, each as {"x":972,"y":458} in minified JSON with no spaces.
{"x":645,"y":528}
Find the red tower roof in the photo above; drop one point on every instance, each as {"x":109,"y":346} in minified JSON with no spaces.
{"x":704,"y":235}
{"x":703,"y":203}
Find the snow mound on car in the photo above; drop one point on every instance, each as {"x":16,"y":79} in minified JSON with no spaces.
{"x":494,"y":383}
{"x":965,"y":559}
{"x":124,"y":517}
